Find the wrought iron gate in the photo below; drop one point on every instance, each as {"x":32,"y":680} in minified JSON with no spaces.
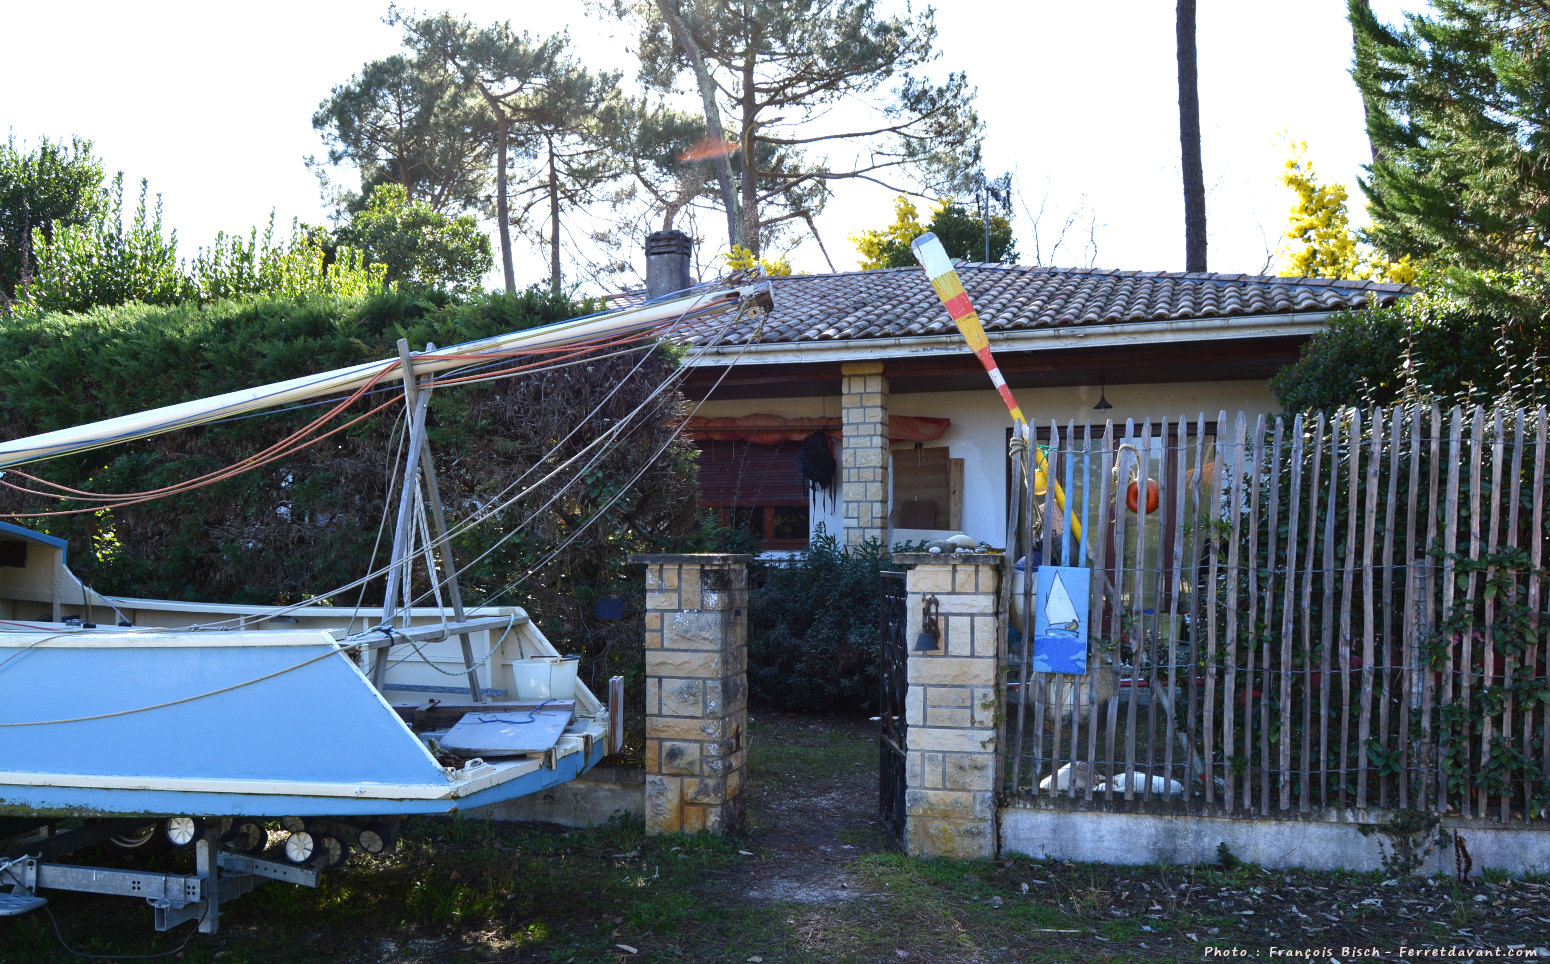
{"x":892,"y":684}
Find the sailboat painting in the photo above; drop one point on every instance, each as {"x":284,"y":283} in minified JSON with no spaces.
{"x":1060,"y":620}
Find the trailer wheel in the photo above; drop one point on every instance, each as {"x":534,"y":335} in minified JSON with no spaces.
{"x":299,"y":847}
{"x":332,"y":851}
{"x":247,"y":836}
{"x":142,"y":841}
{"x":182,"y":831}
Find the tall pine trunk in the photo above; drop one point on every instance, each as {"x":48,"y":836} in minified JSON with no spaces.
{"x":750,"y":183}
{"x":554,"y":219}
{"x":501,"y":218}
{"x":1189,"y":142}
{"x":721,"y":157}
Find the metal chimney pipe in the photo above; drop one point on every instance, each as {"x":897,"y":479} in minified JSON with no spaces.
{"x":667,"y":262}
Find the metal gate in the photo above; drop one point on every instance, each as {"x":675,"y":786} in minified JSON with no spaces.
{"x":892,"y":684}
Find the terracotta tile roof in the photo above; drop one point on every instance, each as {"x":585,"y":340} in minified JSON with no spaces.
{"x":900,"y":302}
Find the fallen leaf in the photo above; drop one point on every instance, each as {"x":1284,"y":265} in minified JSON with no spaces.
{"x":627,"y":949}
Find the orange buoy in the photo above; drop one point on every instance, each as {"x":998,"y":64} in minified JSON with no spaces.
{"x":1133,"y":496}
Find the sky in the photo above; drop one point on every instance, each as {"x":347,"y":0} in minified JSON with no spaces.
{"x":213,"y":104}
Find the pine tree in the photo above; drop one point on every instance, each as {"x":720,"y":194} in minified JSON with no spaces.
{"x":1459,"y":119}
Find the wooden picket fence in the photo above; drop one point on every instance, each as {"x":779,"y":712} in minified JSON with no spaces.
{"x":1326,"y":613}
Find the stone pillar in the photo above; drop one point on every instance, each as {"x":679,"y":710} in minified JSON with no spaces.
{"x":864,"y":453}
{"x":696,"y":691}
{"x":951,"y":709}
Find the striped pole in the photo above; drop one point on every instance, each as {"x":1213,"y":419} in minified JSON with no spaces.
{"x":944,"y":278}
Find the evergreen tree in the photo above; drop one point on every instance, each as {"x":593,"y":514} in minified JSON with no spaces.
{"x":961,"y":231}
{"x":1458,"y":105}
{"x":419,"y":245}
{"x":778,"y":67}
{"x":54,"y":185}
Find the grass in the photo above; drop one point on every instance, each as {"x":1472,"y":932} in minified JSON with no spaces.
{"x":471,"y":891}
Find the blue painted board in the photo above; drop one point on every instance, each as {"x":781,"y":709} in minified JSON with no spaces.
{"x":1060,"y":620}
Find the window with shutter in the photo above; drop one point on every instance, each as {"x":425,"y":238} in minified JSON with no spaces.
{"x":758,"y":488}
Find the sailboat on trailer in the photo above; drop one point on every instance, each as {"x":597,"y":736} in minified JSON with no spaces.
{"x":154,"y":719}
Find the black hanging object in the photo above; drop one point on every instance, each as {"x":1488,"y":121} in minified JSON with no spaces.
{"x":816,"y":463}
{"x":1103,"y":397}
{"x":930,"y":638}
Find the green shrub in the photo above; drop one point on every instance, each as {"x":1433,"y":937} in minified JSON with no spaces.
{"x":1468,"y":339}
{"x":813,"y":629}
{"x":309,"y":522}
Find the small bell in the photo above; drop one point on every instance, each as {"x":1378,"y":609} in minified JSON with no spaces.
{"x":930,"y":639}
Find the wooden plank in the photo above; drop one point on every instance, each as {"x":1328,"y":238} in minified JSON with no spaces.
{"x":1466,"y":663}
{"x":1411,"y":630}
{"x":1234,"y":580}
{"x":1514,"y":494}
{"x":1118,"y":614}
{"x":1536,"y":546}
{"x":1347,"y":595}
{"x":1288,"y":610}
{"x":1101,"y":602}
{"x":1200,"y":514}
{"x":1137,"y":627}
{"x":1370,"y":482}
{"x":1152,"y":630}
{"x":1213,"y":605}
{"x":1450,"y":529}
{"x":955,"y":493}
{"x":1017,"y":514}
{"x":1389,"y":683}
{"x":1493,"y":491}
{"x":1430,"y":774}
{"x":1175,"y":496}
{"x":1053,"y":688}
{"x":1254,"y":457}
{"x":1315,"y":464}
{"x":1069,"y":544}
{"x":1328,"y":641}
{"x":615,"y":715}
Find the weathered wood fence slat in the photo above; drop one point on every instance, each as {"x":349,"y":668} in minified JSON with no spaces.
{"x":1333,"y":611}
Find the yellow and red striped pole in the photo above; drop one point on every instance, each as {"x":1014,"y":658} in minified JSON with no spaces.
{"x":949,"y":288}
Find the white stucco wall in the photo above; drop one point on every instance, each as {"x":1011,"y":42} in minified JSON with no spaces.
{"x":979,"y":423}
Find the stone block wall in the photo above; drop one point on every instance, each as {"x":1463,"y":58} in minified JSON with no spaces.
{"x":951,"y":709}
{"x":696,"y":644}
{"x":864,"y":486}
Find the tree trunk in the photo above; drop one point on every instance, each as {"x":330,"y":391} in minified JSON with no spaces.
{"x":501,"y":218}
{"x":554,"y":219}
{"x":750,"y":166}
{"x":1189,"y":141}
{"x":721,"y":158}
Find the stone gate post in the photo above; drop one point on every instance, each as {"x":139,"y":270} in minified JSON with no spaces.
{"x":696,"y":691}
{"x":951,"y":709}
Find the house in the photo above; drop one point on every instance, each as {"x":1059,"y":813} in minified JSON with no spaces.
{"x":871,"y":359}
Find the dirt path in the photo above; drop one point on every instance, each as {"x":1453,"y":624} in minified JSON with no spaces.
{"x":812,"y":808}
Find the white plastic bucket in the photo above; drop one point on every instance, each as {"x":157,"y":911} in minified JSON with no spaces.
{"x":545,"y":677}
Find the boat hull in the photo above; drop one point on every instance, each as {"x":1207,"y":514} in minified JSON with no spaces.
{"x":131,"y":723}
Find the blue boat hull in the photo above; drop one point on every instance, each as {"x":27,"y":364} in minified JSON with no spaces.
{"x":261,"y":724}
